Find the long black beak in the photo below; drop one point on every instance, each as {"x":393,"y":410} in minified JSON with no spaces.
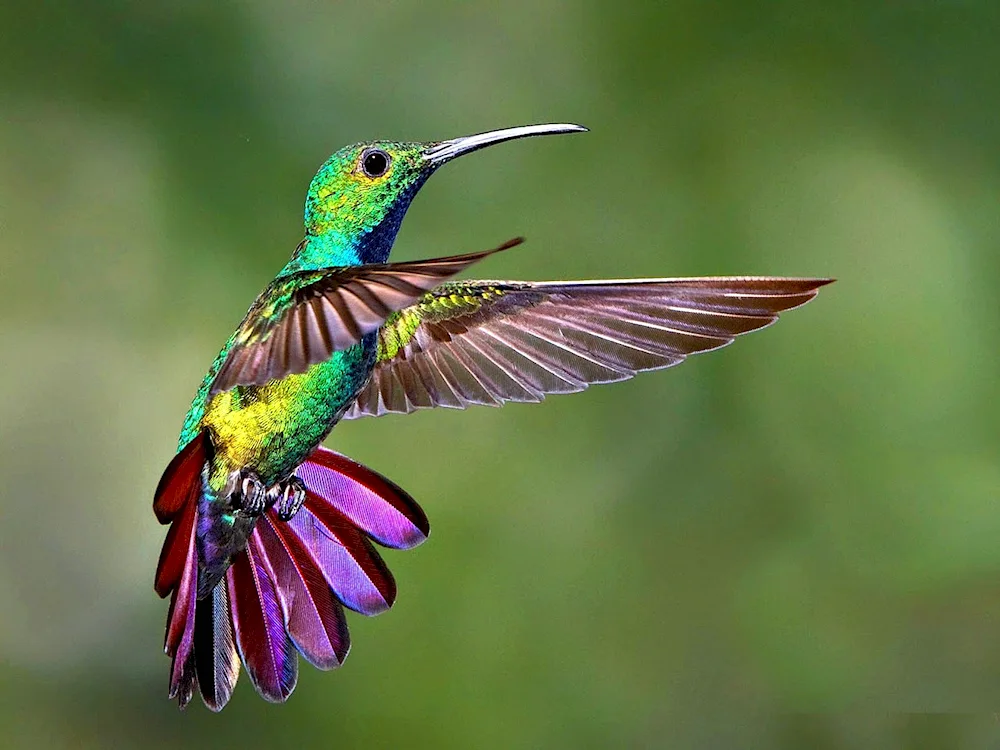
{"x":439,"y":153}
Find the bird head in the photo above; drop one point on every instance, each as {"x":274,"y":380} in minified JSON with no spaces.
{"x":359,"y":196}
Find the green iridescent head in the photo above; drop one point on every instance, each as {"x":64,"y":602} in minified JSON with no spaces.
{"x":358,"y":198}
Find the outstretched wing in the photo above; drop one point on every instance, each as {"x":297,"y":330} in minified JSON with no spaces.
{"x":301,"y":319}
{"x":486,"y":342}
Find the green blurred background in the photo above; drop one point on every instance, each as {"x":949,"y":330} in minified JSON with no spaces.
{"x":790,"y":543}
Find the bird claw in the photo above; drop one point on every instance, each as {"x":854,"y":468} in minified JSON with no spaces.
{"x":288,"y":496}
{"x":249,"y":495}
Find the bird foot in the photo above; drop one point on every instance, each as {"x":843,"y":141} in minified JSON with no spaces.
{"x":249,"y":494}
{"x":288,"y":496}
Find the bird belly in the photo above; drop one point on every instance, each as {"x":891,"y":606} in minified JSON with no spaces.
{"x":271,"y":429}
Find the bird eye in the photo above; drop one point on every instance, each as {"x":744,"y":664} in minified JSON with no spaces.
{"x":375,"y":162}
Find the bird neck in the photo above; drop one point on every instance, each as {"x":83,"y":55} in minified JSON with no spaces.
{"x":324,"y":250}
{"x":327,"y":246}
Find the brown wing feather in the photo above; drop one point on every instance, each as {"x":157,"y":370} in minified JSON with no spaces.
{"x":324,"y":312}
{"x":515,"y":341}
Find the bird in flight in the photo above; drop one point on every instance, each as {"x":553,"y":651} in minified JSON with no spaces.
{"x":271,"y":535}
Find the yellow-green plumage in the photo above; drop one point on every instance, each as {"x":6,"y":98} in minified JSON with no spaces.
{"x":272,"y":428}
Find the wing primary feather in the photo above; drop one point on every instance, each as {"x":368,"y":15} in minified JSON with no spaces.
{"x":282,"y":351}
{"x":532,"y":326}
{"x":575,"y":329}
{"x":444,"y":369}
{"x":436,"y":383}
{"x":626,"y":316}
{"x":336,"y":299}
{"x":393,"y":394}
{"x":329,"y":317}
{"x":401,"y":286}
{"x":475,"y":390}
{"x":317,"y":340}
{"x":486,"y":350}
{"x":518,"y":338}
{"x":486,"y":371}
{"x":660,"y":338}
{"x":544,"y":373}
{"x":371,"y":301}
{"x":367,"y":319}
{"x":296,"y":343}
{"x":413,"y":385}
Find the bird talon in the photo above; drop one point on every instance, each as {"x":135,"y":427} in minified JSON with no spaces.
{"x":249,"y":495}
{"x":291,"y":498}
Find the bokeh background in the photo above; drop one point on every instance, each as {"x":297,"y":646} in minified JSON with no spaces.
{"x":794,"y":542}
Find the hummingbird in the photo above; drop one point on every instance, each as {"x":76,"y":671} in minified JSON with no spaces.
{"x":271,"y":534}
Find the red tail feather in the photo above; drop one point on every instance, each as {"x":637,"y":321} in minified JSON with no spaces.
{"x":180,"y":626}
{"x":174,"y":554}
{"x":176,"y":503}
{"x":267,"y":651}
{"x":181,"y":481}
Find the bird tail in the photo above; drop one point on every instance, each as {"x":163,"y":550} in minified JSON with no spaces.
{"x":284,"y":594}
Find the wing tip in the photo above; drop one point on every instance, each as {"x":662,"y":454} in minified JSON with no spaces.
{"x":512,"y":242}
{"x":804,"y":297}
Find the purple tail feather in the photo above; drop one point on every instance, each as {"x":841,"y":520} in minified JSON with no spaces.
{"x":285,"y":594}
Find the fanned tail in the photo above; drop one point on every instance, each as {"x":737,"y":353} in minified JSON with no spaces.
{"x":286,"y":593}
